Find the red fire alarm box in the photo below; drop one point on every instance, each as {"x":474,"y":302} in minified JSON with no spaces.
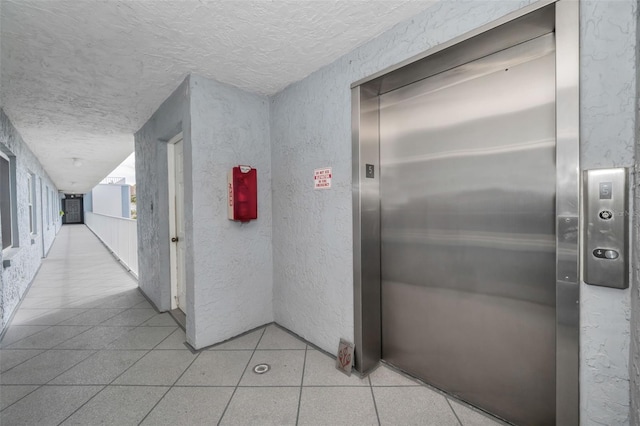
{"x":243,"y":193}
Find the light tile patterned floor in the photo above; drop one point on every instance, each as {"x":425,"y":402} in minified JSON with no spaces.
{"x":86,"y":348}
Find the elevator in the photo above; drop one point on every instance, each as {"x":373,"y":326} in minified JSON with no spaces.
{"x":466,"y":217}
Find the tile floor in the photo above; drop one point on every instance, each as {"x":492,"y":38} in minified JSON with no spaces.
{"x":86,"y":348}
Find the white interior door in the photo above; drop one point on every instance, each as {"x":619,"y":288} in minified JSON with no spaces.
{"x":176,"y":219}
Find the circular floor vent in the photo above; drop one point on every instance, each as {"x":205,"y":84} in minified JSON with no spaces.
{"x":261,"y":368}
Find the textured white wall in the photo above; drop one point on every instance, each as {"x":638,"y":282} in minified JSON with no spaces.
{"x":229,"y":278}
{"x":312,"y":231}
{"x":634,"y":364}
{"x":26,"y":259}
{"x":607,"y":131}
{"x":313,"y":293}
{"x":139,"y":51}
{"x":311,"y":128}
{"x":152,"y":194}
{"x":232,"y":262}
{"x":107,"y":199}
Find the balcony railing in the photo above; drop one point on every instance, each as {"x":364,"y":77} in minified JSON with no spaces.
{"x":120,"y":235}
{"x":114,"y":180}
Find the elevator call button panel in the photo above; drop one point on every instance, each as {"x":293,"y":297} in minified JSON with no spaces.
{"x":606,"y":225}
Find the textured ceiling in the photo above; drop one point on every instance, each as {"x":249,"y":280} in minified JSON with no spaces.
{"x":79,"y":77}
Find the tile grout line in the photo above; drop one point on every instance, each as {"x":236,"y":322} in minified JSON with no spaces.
{"x":304,"y":366}
{"x":50,"y":325}
{"x":105,"y":386}
{"x":133,"y":327}
{"x":50,"y":380}
{"x":37,"y":387}
{"x":53,"y":348}
{"x":28,"y":359}
{"x":82,"y":405}
{"x":20,"y":340}
{"x":187,"y":386}
{"x":116,"y":378}
{"x":454,"y":411}
{"x":57,"y":344}
{"x":242,"y":375}
{"x":170,"y":386}
{"x":91,"y":327}
{"x":373,"y":396}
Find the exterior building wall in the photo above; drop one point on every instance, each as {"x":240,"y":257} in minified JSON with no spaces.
{"x":111,"y":200}
{"x":22,"y":262}
{"x":125,"y":201}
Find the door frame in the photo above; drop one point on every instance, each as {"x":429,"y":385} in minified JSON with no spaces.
{"x":173,"y":251}
{"x":41,"y":187}
{"x":67,"y":198}
{"x":559,"y":16}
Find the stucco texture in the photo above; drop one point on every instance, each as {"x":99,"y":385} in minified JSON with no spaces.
{"x":311,"y":128}
{"x":634,"y":364}
{"x":232,"y":261}
{"x":607,"y":134}
{"x":228,"y":264}
{"x":152,"y":194}
{"x":26,"y":258}
{"x":308,"y":126}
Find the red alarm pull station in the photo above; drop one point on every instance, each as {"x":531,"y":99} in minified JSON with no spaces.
{"x":243,"y":194}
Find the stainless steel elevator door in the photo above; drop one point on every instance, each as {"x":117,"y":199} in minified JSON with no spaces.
{"x":467,"y":187}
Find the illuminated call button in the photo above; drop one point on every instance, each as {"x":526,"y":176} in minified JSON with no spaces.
{"x":601,"y":253}
{"x":606,"y":215}
{"x":611,"y":254}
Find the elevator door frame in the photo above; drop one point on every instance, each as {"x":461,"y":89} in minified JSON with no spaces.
{"x":561,"y":17}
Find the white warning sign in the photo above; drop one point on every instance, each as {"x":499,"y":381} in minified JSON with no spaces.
{"x":322,"y":178}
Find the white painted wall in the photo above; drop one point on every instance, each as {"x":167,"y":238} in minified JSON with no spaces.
{"x":607,"y":133}
{"x":634,"y":364}
{"x":310,"y":127}
{"x":228,"y":265}
{"x":232,"y":262}
{"x":171,"y":118}
{"x":107,"y":200}
{"x":26,"y":258}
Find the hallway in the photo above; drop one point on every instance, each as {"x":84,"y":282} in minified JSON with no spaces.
{"x":85,"y":348}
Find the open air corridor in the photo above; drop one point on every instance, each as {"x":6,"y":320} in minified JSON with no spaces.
{"x":86,"y":348}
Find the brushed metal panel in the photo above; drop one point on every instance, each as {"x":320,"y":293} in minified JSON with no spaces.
{"x":468,"y":216}
{"x":567,"y":205}
{"x":522,"y":25}
{"x":366,"y":230}
{"x":606,"y":215}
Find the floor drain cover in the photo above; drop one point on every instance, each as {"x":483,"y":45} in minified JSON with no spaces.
{"x":261,"y":368}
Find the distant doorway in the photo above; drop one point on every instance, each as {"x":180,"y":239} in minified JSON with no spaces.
{"x":73,"y":209}
{"x":176,"y":223}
